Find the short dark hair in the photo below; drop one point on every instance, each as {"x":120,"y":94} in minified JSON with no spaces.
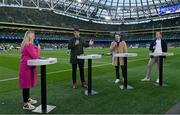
{"x":118,"y":33}
{"x":76,"y":29}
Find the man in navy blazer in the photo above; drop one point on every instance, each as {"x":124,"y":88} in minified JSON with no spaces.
{"x":156,"y":46}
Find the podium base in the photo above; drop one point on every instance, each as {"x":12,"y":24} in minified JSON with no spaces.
{"x":39,"y":110}
{"x":157,"y":84}
{"x":92,"y":92}
{"x":128,"y":87}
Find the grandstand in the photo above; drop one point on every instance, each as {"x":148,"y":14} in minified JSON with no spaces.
{"x":15,"y":31}
{"x":54,"y":21}
{"x":52,"y":25}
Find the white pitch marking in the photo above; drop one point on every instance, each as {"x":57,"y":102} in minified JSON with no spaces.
{"x":15,"y":78}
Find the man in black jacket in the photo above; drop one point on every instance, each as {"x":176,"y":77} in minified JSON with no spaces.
{"x":156,"y":46}
{"x":76,"y":45}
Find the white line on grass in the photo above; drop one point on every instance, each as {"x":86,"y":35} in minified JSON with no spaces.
{"x":66,"y":61}
{"x":8,"y":79}
{"x":92,"y":66}
{"x":49,"y":73}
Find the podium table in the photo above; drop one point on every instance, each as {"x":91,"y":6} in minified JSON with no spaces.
{"x":43,"y":108}
{"x":89,"y":90}
{"x":125,"y":56}
{"x":161,"y":55}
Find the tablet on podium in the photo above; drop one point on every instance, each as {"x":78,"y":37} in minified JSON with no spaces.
{"x":125,"y":56}
{"x":43,"y":108}
{"x":161,"y":56}
{"x":90,"y":57}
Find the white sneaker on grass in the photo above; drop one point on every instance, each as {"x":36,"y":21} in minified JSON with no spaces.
{"x":32,"y":101}
{"x":146,"y":79}
{"x":28,"y":106}
{"x":157,"y":81}
{"x":117,"y":81}
{"x":122,"y":79}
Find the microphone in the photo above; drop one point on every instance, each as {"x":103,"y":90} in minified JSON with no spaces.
{"x":36,"y":41}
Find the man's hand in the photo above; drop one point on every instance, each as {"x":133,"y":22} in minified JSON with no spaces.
{"x":91,"y":42}
{"x":77,"y":42}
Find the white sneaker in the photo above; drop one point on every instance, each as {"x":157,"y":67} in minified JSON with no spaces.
{"x":31,"y":101}
{"x":157,"y":81}
{"x":146,"y":79}
{"x":117,"y":80}
{"x":28,"y":106}
{"x":122,"y":79}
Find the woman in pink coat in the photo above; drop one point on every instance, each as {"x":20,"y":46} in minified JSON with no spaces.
{"x":28,"y":74}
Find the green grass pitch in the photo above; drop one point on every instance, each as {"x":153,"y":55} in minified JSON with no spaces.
{"x":144,"y":98}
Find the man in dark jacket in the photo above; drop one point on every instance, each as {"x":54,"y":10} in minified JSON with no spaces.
{"x":76,"y":45}
{"x":156,"y":46}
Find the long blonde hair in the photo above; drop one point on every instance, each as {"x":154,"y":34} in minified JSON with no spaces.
{"x":27,"y":38}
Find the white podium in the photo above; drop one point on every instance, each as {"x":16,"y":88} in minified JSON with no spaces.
{"x":89,"y":91}
{"x":43,"y":108}
{"x":161,"y":56}
{"x":125,"y":56}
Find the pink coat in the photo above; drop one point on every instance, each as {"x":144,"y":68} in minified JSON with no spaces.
{"x":28,"y":74}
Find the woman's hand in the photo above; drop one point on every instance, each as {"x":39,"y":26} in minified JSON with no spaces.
{"x":114,"y":44}
{"x":39,"y":47}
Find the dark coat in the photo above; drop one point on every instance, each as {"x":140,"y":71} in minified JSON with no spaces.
{"x":163,"y":46}
{"x":76,"y":50}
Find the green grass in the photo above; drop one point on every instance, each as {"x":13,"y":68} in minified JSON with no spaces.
{"x":144,"y":98}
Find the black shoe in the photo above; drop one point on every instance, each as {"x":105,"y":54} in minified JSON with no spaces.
{"x":84,"y":85}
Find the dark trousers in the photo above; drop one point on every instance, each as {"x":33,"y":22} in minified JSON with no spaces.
{"x":74,"y":70}
{"x":25,"y":92}
{"x":117,"y":71}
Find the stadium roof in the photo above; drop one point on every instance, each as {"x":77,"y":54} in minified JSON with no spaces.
{"x":105,"y":11}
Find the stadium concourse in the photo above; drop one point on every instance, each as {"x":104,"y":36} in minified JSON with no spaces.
{"x":119,"y":41}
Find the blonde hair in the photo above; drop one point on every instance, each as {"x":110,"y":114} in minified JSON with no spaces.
{"x":27,"y":38}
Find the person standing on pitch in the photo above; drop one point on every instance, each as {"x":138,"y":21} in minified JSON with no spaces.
{"x":118,"y":46}
{"x":28,"y":74}
{"x":76,"y":45}
{"x":156,"y":46}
